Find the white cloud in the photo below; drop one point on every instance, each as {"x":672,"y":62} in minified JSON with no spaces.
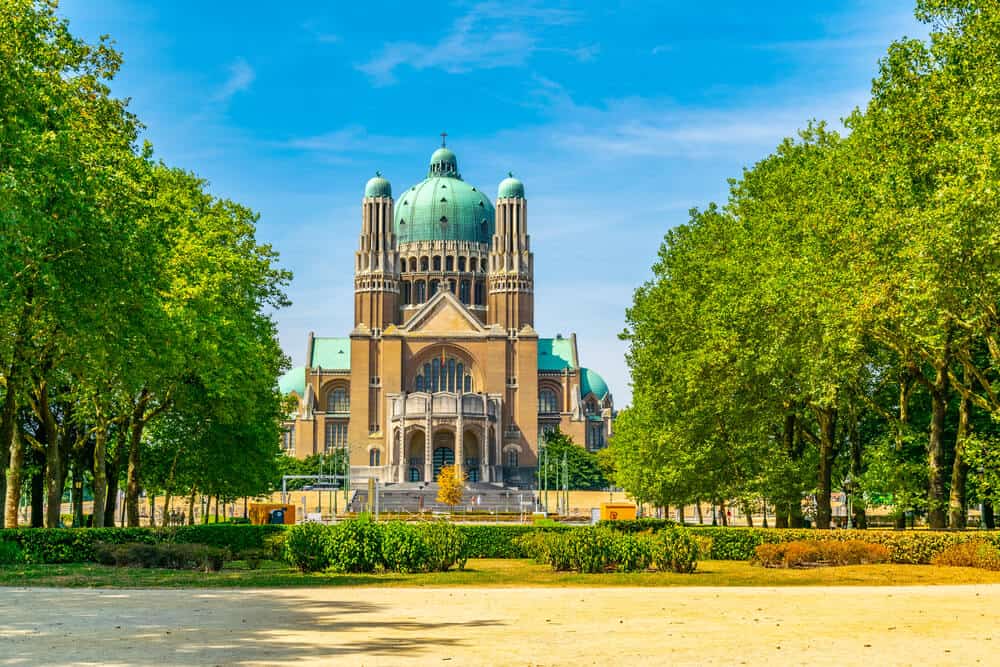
{"x":241,"y":76}
{"x":489,"y":35}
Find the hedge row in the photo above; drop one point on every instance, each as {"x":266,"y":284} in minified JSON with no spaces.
{"x":75,"y":545}
{"x":78,"y":545}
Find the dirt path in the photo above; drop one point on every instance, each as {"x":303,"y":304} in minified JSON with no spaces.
{"x":509,"y":626}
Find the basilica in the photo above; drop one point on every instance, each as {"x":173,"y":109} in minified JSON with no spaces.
{"x":444,"y":363}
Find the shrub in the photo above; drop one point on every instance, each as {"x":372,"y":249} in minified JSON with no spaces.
{"x":355,"y":545}
{"x":404,"y":548}
{"x":169,"y":556}
{"x":492,"y":541}
{"x":972,"y":553}
{"x":675,"y":549}
{"x":10,"y":553}
{"x":445,"y":546}
{"x":307,"y":548}
{"x":253,"y":558}
{"x":805,"y":552}
{"x":632,"y":552}
{"x":636,"y":525}
{"x":274,"y":546}
{"x":591,"y":549}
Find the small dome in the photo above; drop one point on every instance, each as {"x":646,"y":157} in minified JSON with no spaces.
{"x":510,"y":188}
{"x":592,"y":383}
{"x":378,"y":187}
{"x":443,"y":163}
{"x":293,"y":381}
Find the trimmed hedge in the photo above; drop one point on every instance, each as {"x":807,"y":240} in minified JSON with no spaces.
{"x":498,"y":541}
{"x":78,"y":545}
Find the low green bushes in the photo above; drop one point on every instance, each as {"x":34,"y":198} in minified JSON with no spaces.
{"x":361,"y":546}
{"x":832,"y":552}
{"x":11,"y":553}
{"x":163,"y":555}
{"x":77,"y":545}
{"x":600,"y":549}
{"x":971,"y":553}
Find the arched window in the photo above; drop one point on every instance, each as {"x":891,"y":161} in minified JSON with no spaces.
{"x":461,"y":264}
{"x":375,"y":458}
{"x":449,"y":263}
{"x":447,"y":374}
{"x":512,"y":458}
{"x":463,"y":292}
{"x":472,"y":264}
{"x":547,"y":401}
{"x":423,"y":263}
{"x":590,"y":407}
{"x":421,"y":291}
{"x":338,"y":401}
{"x":437,"y":262}
{"x":434,"y":287}
{"x":413,"y":264}
{"x":595,"y":436}
{"x":406,"y":292}
{"x":336,"y":435}
{"x":479,"y":293}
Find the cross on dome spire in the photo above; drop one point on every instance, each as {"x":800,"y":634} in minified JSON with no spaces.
{"x":443,"y":136}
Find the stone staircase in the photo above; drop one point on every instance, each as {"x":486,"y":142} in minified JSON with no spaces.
{"x":412,"y":497}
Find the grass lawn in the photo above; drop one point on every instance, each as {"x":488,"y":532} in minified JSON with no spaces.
{"x":492,"y":572}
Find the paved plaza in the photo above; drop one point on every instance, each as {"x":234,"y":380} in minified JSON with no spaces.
{"x":502,"y":626}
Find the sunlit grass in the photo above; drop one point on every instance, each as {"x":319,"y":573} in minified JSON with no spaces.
{"x":491,"y":572}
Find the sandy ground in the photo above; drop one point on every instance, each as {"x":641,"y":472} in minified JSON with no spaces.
{"x":503,"y":626}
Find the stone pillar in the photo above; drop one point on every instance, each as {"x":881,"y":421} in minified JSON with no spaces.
{"x":401,"y":474}
{"x":428,"y":447}
{"x":460,"y":438}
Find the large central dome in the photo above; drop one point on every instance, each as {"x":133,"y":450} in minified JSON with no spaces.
{"x":443,"y":207}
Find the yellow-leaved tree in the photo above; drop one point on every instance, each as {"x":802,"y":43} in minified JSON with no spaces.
{"x":451,"y":481}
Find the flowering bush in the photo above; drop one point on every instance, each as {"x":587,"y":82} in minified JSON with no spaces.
{"x":973,"y":553}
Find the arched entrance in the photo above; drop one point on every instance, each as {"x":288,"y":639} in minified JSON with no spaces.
{"x":444,"y":451}
{"x":472,"y":453}
{"x":415,"y":458}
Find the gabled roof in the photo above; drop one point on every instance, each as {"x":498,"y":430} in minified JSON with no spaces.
{"x":443,"y":313}
{"x":332,"y":354}
{"x":556,"y":354}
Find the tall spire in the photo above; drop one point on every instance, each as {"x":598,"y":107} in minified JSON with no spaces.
{"x":443,"y":137}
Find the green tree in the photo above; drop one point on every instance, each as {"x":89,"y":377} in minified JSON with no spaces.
{"x":583,"y":467}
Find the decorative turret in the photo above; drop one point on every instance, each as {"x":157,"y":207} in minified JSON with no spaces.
{"x":376,"y":268}
{"x":511,"y":302}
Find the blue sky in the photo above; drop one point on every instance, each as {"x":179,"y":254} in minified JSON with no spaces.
{"x":618,"y":116}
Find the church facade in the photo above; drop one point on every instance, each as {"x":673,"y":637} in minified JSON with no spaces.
{"x":443,"y":364}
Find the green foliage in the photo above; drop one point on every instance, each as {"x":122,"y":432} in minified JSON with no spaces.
{"x":583,"y":468}
{"x":404,"y":548}
{"x":355,"y":545}
{"x":499,"y":541}
{"x":11,"y":553}
{"x":163,"y":555}
{"x":675,"y":549}
{"x":637,"y":525}
{"x":632,"y":552}
{"x":307,"y":547}
{"x":445,"y":546}
{"x":804,"y":552}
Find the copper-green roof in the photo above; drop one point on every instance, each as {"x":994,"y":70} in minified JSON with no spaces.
{"x":443,"y":207}
{"x":591,"y":381}
{"x":510,"y":188}
{"x":293,"y":380}
{"x":378,"y":187}
{"x":555,"y":354}
{"x":331,"y":353}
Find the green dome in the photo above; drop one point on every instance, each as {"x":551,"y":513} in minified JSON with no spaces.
{"x":591,"y":381}
{"x":378,"y":187}
{"x":293,"y":380}
{"x":443,"y":207}
{"x":510,"y":188}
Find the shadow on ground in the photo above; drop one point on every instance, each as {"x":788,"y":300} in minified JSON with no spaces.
{"x":161,"y":627}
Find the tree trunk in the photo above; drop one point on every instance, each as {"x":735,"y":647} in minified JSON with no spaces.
{"x":216,"y":508}
{"x":3,"y":485}
{"x":748,"y":513}
{"x":781,"y":512}
{"x":988,"y":520}
{"x":827,"y":418}
{"x":900,"y":523}
{"x":114,"y":470}
{"x":957,"y":514}
{"x":697,"y":513}
{"x":680,"y":514}
{"x":14,"y":468}
{"x":37,"y":485}
{"x":76,"y":494}
{"x":132,"y":482}
{"x":723,"y":519}
{"x":936,"y":503}
{"x":190,"y":516}
{"x":168,"y":497}
{"x":100,"y":481}
{"x":858,"y":516}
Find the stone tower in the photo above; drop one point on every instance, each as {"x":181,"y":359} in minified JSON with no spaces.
{"x":376,"y":269}
{"x":511,"y":301}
